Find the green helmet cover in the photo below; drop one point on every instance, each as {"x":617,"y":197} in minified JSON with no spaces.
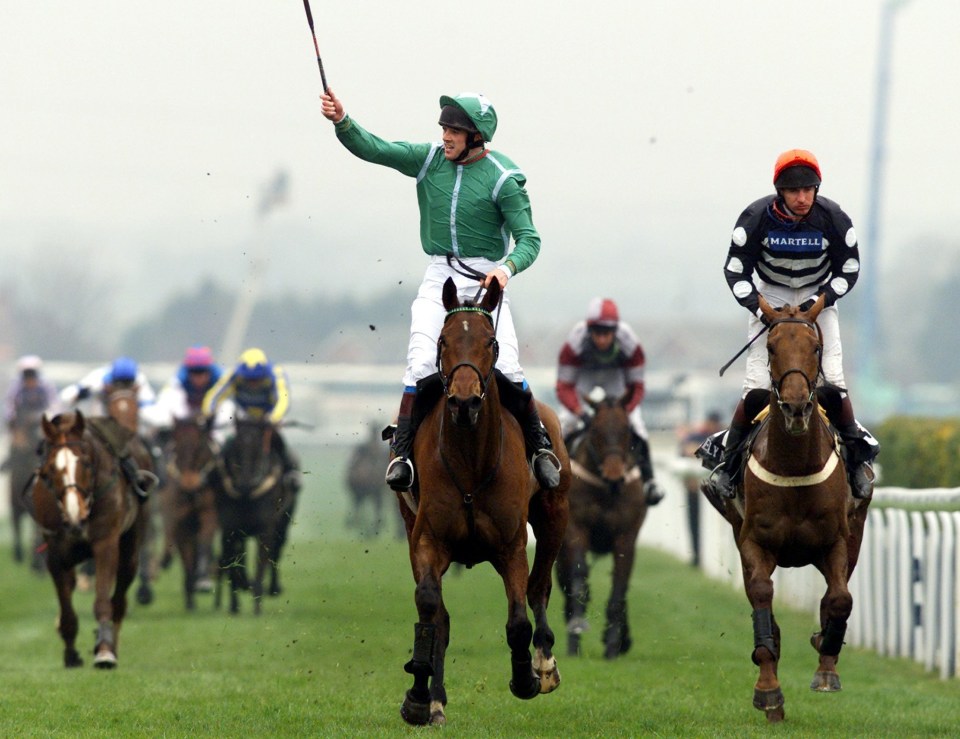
{"x":478,"y":109}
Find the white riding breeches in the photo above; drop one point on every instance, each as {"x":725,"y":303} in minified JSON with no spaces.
{"x":758,"y":369}
{"x":427,"y":315}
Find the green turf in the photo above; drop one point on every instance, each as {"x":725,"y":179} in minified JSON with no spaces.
{"x":326,"y":657}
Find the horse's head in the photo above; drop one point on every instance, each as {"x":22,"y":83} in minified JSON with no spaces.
{"x":250,"y":466}
{"x":467,"y":351}
{"x":192,"y":453}
{"x":609,"y":438}
{"x":123,"y":403}
{"x":66,"y":477}
{"x":794,"y":348}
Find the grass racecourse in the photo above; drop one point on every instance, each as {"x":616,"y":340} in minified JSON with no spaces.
{"x":326,"y":657}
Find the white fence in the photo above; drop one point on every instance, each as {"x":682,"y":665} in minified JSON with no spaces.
{"x":906,"y":588}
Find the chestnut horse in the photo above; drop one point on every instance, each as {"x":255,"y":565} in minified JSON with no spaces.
{"x":794,"y":507}
{"x":607,"y":509}
{"x":251,"y":501}
{"x":86,"y":508}
{"x":476,"y":495}
{"x":187,"y":502}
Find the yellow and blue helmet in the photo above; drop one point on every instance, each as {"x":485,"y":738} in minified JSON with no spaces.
{"x":254,"y":365}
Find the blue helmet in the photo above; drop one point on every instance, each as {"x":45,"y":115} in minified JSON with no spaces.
{"x":254,"y":365}
{"x":123,"y":369}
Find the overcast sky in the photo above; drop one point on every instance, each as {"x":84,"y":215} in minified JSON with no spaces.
{"x":137,"y":137}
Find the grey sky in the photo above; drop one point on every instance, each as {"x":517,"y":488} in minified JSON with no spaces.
{"x":137,"y":136}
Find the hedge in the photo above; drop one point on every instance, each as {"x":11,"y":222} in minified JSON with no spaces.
{"x":919,"y":452}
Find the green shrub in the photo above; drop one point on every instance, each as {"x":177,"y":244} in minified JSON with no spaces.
{"x":920,"y":452}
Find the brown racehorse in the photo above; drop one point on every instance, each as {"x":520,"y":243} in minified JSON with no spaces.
{"x":187,"y":502}
{"x":86,"y":508}
{"x":607,"y":509}
{"x":123,"y":406}
{"x":795,"y":507}
{"x":476,"y":496}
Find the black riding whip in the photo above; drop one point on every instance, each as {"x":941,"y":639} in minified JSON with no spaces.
{"x":323,"y":77}
{"x":737,"y":355}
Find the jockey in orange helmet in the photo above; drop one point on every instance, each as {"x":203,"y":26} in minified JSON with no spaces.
{"x":794,"y":247}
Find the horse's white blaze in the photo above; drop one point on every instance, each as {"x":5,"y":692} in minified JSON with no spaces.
{"x":66,"y":464}
{"x":466,"y":326}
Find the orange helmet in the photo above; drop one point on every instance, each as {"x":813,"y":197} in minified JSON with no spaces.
{"x":796,"y":168}
{"x":602,"y":312}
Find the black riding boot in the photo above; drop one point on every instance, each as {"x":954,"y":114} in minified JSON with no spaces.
{"x":400,"y":472}
{"x":651,"y":490}
{"x":858,"y":452}
{"x":140,"y":480}
{"x":857,"y":455}
{"x":725,"y":478}
{"x":519,"y":401}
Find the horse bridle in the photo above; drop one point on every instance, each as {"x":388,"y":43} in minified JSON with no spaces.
{"x":484,"y":379}
{"x":47,"y":478}
{"x":811,"y":383}
{"x":466,"y":495}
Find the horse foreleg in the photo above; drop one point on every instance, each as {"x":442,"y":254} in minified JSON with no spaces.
{"x":758,"y":566}
{"x":524,"y":681}
{"x":616,"y":635}
{"x":425,"y":701}
{"x":64,"y":582}
{"x":263,"y":562}
{"x":17,"y":528}
{"x":835,"y":608}
{"x":106,"y":556}
{"x":548,"y":514}
{"x":573,"y":573}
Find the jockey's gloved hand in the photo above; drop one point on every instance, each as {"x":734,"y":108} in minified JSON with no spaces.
{"x":585,"y":417}
{"x":83,"y":393}
{"x":807,"y":304}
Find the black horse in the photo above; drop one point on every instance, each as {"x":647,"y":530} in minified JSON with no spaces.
{"x":252,"y":501}
{"x":25,"y":436}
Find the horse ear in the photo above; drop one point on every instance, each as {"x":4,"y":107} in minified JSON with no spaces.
{"x":811,"y":315}
{"x":492,"y":297}
{"x":79,"y":423}
{"x":450,"y":299}
{"x":48,"y":428}
{"x":767,"y":310}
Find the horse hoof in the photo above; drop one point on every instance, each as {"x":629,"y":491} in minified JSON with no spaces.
{"x":825,"y":682}
{"x":414,"y":712}
{"x":573,"y":646}
{"x":105,"y":660}
{"x":437,"y":716}
{"x":546,"y":669}
{"x":526,"y":692}
{"x":203,"y":585}
{"x":770,"y":702}
{"x":144,"y":595}
{"x":72,"y":659}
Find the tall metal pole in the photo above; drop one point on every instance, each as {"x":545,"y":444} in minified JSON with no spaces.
{"x":236,"y":332}
{"x":868,"y":352}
